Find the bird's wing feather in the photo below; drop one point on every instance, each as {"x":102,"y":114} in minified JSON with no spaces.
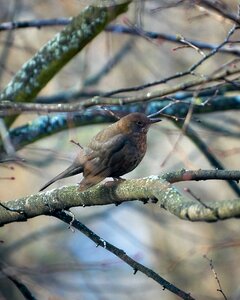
{"x":108,"y":146}
{"x":98,"y":165}
{"x":108,"y":135}
{"x":109,"y":159}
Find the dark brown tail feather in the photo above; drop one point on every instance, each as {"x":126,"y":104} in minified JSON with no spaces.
{"x":70,"y":171}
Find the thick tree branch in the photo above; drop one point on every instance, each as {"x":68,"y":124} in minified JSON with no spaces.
{"x":47,"y":62}
{"x":47,"y":125}
{"x":153,"y":187}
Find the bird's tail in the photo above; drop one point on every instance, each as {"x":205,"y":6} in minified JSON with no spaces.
{"x":70,"y":171}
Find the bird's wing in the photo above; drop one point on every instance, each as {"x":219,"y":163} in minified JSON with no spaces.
{"x":102,"y":159}
{"x":102,"y":154}
{"x":109,"y":135}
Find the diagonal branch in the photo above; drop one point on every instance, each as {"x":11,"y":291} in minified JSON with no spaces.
{"x":24,"y":290}
{"x":212,"y":159}
{"x":47,"y":62}
{"x":218,"y":8}
{"x":63,"y":216}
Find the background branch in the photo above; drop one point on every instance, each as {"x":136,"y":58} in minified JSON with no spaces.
{"x":47,"y":125}
{"x":73,"y":222}
{"x":35,"y":74}
{"x":24,"y":290}
{"x":186,"y":71}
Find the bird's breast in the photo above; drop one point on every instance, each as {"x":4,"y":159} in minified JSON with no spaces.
{"x":131,"y":155}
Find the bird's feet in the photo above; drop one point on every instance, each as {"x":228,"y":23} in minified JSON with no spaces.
{"x":118,"y":179}
{"x":110,"y":184}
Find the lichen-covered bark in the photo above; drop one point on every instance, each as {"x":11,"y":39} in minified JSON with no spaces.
{"x":36,"y":72}
{"x":153,"y":187}
{"x":48,"y":125}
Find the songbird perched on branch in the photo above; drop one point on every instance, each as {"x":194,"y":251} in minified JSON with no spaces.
{"x":113,"y":152}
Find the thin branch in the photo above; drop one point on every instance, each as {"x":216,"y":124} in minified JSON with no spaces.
{"x":206,"y":151}
{"x":190,"y":70}
{"x":191,"y":45}
{"x":216,"y":277}
{"x":99,"y":100}
{"x":63,"y":216}
{"x":34,"y":23}
{"x":74,"y":95}
{"x":158,"y":93}
{"x":9,"y":249}
{"x":9,"y":108}
{"x":202,"y":105}
{"x":116,"y":29}
{"x":216,"y":7}
{"x":196,"y":175}
{"x":24,"y":290}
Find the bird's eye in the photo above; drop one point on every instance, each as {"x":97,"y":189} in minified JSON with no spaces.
{"x":140,"y":123}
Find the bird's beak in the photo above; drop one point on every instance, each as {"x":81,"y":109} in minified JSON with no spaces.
{"x":154,"y":120}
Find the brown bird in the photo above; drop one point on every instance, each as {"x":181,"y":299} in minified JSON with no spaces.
{"x":113,"y":152}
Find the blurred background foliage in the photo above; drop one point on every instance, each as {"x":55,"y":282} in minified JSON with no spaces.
{"x":57,"y":263}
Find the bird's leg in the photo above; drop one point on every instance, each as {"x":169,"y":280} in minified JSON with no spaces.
{"x":119,"y":179}
{"x":76,"y":143}
{"x":115,"y":180}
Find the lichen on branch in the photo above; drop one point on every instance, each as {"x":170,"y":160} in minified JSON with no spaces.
{"x":47,"y":62}
{"x":158,"y":188}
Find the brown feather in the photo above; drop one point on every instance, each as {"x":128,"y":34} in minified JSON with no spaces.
{"x":113,"y":152}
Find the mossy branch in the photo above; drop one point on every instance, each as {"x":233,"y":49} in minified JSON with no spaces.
{"x":154,"y":187}
{"x":47,"y":62}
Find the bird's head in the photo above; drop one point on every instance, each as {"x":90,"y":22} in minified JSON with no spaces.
{"x":136,"y":123}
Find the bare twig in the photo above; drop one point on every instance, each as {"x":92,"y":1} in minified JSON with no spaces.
{"x":206,"y":151}
{"x":191,"y":45}
{"x":63,"y":216}
{"x":11,"y":108}
{"x":34,"y":23}
{"x":24,"y":290}
{"x":186,"y":175}
{"x":76,"y":143}
{"x":190,"y":192}
{"x":216,"y":277}
{"x":215,"y":6}
{"x":177,"y":75}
